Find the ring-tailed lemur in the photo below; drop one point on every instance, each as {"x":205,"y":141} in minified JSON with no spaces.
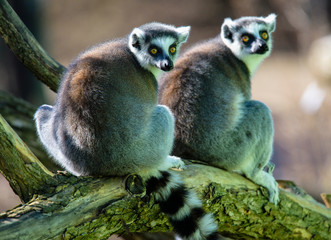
{"x":106,"y":121}
{"x":209,"y":92}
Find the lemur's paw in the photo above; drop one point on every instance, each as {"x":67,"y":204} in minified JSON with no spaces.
{"x":273,"y":192}
{"x":268,"y":181}
{"x":176,"y":163}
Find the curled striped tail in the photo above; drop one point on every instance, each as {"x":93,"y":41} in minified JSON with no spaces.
{"x":182,"y":206}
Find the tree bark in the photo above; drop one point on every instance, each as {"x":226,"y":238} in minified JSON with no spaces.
{"x":20,"y":167}
{"x":95,"y":208}
{"x":65,"y":207}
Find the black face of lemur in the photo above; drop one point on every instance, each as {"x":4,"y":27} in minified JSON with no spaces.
{"x":249,"y":38}
{"x":254,"y":42}
{"x":162,"y":57}
{"x":256,"y":45}
{"x":157,"y":49}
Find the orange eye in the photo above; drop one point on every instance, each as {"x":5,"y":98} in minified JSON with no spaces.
{"x":264,"y":35}
{"x":245,"y":38}
{"x":172,"y":50}
{"x":153,"y":51}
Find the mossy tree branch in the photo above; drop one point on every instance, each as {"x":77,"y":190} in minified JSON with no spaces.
{"x":95,"y":208}
{"x":18,"y":164}
{"x":66,"y":207}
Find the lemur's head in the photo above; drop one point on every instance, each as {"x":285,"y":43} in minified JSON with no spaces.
{"x":249,"y":38}
{"x":156,"y":45}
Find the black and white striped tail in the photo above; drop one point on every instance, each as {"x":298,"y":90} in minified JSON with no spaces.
{"x":184,"y":209}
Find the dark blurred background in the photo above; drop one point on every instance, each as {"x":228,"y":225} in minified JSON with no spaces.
{"x":295,"y":81}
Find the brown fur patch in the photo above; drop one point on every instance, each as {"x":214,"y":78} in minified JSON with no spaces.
{"x":85,"y":79}
{"x":77,"y":85}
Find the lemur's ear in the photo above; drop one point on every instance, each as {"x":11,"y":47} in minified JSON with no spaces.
{"x":226,"y":29}
{"x":271,"y":21}
{"x":183,"y":33}
{"x":137,"y":38}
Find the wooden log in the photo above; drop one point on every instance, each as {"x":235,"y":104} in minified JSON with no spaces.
{"x":96,"y":208}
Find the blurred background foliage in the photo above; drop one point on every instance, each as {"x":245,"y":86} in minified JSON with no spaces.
{"x":295,"y":81}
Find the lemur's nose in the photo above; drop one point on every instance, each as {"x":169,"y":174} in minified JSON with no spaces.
{"x":167,"y":65}
{"x":259,"y":47}
{"x":262,"y":48}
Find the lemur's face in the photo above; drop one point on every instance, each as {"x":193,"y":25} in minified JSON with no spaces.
{"x":161,"y":52}
{"x":249,"y":36}
{"x":156,"y":46}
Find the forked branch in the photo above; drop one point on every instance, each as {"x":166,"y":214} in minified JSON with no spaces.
{"x":66,"y":207}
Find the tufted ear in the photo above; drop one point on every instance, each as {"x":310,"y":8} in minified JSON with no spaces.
{"x":137,"y":38}
{"x":226,"y":29}
{"x":183,"y":33}
{"x":271,"y":21}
